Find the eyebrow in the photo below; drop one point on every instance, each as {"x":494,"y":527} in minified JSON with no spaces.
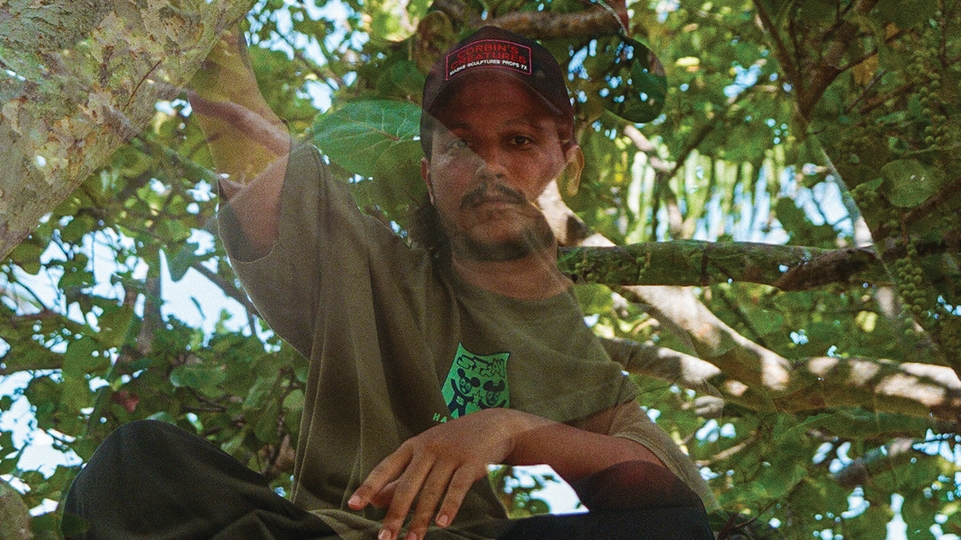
{"x":521,"y":121}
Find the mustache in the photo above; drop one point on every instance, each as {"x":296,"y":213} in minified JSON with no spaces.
{"x":492,"y":192}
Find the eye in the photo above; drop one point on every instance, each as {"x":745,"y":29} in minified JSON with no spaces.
{"x":521,"y":140}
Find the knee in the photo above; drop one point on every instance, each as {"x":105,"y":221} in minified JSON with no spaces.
{"x":635,"y":485}
{"x":134,"y":443}
{"x":134,"y":437}
{"x":139,"y":430}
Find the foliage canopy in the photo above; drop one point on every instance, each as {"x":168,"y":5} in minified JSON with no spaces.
{"x":797,"y":173}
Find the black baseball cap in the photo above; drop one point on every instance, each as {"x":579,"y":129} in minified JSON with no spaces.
{"x":495,"y":50}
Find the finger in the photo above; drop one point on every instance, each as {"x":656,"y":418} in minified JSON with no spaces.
{"x":383,"y":497}
{"x":386,"y":472}
{"x":457,"y":489}
{"x":407,"y":489}
{"x":429,"y":499}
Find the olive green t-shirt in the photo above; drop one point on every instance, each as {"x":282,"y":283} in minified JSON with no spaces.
{"x":397,"y":345}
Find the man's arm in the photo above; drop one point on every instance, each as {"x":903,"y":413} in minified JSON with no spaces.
{"x":247,"y":141}
{"x":437,"y":467}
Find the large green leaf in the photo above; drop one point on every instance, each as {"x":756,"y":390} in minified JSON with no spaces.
{"x":359,"y":133}
{"x":908,"y":183}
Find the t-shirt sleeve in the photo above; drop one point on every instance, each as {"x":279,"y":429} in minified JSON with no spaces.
{"x":630,"y":422}
{"x":321,"y":232}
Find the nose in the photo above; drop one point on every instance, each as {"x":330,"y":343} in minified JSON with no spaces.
{"x":490,"y":164}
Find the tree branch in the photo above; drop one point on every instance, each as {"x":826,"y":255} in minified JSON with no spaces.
{"x":780,"y":49}
{"x":882,"y":386}
{"x":546,"y":25}
{"x":699,"y":263}
{"x":761,"y":377}
{"x":829,"y":67}
{"x":226,"y":286}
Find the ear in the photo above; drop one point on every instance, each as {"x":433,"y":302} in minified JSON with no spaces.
{"x":570,"y":179}
{"x":425,"y":174}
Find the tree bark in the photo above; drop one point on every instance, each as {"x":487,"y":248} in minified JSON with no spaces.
{"x":14,"y":515}
{"x":69,"y":107}
{"x":698,"y":263}
{"x":883,"y":386}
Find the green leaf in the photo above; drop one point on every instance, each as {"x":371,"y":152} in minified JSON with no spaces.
{"x":791,"y":217}
{"x":266,"y":426}
{"x":871,"y":524}
{"x":78,"y":226}
{"x":537,"y":507}
{"x":359,"y":133}
{"x":262,"y":391}
{"x":79,"y":358}
{"x":766,"y":321}
{"x":627,"y":76}
{"x":816,"y":12}
{"x":27,"y":255}
{"x":294,"y":400}
{"x":594,"y":298}
{"x":397,"y":183}
{"x":197,"y":376}
{"x":114,"y":323}
{"x":76,"y":394}
{"x":401,"y":79}
{"x":9,"y":463}
{"x":908,"y":183}
{"x":233,"y":445}
{"x":185,"y":258}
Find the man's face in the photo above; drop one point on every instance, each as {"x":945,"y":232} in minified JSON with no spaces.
{"x":495,"y":148}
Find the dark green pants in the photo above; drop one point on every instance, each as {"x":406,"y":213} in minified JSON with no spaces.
{"x":152,"y":480}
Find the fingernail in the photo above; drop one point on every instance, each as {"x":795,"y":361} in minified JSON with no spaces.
{"x":385,"y":535}
{"x":443,"y":520}
{"x":354,"y":501}
{"x":411,"y":536}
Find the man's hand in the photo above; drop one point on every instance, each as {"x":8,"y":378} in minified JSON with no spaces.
{"x":438,"y":467}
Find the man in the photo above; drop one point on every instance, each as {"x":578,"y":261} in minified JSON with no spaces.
{"x":427,"y":363}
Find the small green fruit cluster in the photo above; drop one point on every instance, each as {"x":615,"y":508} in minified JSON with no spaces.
{"x":910,"y":282}
{"x":928,"y":79}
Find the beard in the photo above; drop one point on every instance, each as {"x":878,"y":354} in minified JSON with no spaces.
{"x":532,"y":237}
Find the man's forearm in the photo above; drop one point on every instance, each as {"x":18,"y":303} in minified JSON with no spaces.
{"x":244,"y":135}
{"x":247,"y":141}
{"x":606,"y":471}
{"x":573,"y":452}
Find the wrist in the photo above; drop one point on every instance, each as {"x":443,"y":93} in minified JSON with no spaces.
{"x":521,"y":430}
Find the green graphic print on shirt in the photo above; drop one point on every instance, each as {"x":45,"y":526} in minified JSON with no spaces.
{"x":476,"y":382}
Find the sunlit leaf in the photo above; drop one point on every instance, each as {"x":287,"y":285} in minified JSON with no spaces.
{"x":359,"y":133}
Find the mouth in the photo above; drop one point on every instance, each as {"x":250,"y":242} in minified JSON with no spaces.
{"x":497,"y":195}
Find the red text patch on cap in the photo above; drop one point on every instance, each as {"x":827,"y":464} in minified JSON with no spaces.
{"x":489,"y":53}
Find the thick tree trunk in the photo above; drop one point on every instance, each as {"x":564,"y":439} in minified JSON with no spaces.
{"x":79,"y":82}
{"x":14,"y":515}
